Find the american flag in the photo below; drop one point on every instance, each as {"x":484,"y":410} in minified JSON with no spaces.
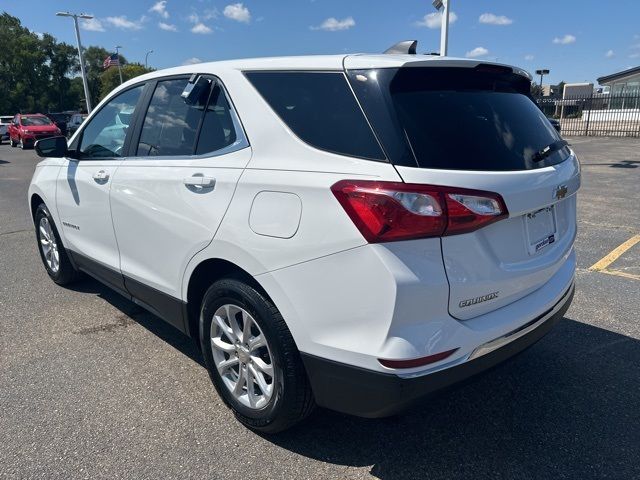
{"x":111,"y":61}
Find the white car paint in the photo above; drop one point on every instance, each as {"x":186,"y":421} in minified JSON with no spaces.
{"x":342,"y":298}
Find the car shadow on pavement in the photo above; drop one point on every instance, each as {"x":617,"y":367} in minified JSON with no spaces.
{"x":620,"y":164}
{"x":569,"y":407}
{"x":152,"y":323}
{"x":4,"y":161}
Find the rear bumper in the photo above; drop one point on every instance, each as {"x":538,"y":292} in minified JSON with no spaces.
{"x":371,"y":394}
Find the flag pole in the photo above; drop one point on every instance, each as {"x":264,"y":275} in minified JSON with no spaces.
{"x":118,"y":55}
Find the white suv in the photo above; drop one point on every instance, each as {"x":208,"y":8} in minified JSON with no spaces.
{"x":350,"y":231}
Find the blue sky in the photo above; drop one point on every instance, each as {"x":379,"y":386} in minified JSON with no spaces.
{"x":578,"y":40}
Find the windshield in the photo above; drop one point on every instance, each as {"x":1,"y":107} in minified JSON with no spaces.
{"x":34,"y":121}
{"x":465,"y":119}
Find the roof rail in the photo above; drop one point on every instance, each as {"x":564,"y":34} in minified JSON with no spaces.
{"x":404,"y":47}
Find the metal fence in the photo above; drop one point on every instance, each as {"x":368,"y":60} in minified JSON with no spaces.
{"x":596,"y":115}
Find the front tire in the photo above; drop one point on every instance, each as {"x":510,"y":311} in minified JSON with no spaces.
{"x":54,"y":257}
{"x":252,"y":359}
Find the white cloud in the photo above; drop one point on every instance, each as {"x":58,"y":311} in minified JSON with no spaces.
{"x":332,"y":24}
{"x":124,"y":23}
{"x":566,"y":40}
{"x":191,"y":61}
{"x":491,"y":19}
{"x":434,"y":20}
{"x":609,"y":54}
{"x":237,"y":12}
{"x":160,"y":8}
{"x":167,"y":26}
{"x":210,"y":13}
{"x":200,"y":28}
{"x":477,"y":52}
{"x":529,"y":57}
{"x":92,"y":25}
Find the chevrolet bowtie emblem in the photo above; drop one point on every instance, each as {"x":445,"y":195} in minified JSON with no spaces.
{"x":560,"y":192}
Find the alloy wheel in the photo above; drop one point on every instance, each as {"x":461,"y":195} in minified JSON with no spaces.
{"x":49,"y":245}
{"x":242,"y":356}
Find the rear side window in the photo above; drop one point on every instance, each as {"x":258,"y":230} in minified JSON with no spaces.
{"x":320,"y":109}
{"x":170,"y":125}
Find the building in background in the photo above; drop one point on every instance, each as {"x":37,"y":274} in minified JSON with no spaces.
{"x":624,"y":82}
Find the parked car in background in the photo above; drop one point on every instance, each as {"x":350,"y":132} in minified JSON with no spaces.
{"x":555,"y":123}
{"x":348,"y":231}
{"x":75,"y":121}
{"x":24,"y":130}
{"x":5,"y":121}
{"x":60,"y":119}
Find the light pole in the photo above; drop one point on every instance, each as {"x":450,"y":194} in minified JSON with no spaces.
{"x":118,"y":47}
{"x":444,"y":29}
{"x":146,"y":58}
{"x":542,"y":72}
{"x":82,"y":70}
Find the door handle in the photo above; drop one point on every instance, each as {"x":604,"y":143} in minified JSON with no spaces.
{"x":199,"y":181}
{"x":101,"y":176}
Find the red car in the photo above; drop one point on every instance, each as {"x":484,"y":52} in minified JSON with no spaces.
{"x":26,"y":129}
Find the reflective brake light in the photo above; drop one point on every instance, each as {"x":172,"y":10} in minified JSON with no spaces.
{"x":389,"y":211}
{"x":417,"y":362}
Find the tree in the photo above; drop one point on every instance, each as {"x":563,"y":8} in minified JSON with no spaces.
{"x":23,"y":68}
{"x":62,"y":62}
{"x":94,"y":58}
{"x":110,"y":79}
{"x":40,"y":74}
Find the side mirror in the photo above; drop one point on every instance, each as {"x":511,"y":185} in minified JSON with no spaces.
{"x":55,"y":147}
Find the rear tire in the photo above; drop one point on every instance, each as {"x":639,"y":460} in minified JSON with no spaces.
{"x":244,"y":318}
{"x":54,"y":257}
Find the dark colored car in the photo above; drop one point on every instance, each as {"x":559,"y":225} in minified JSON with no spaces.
{"x":75,"y":122}
{"x":555,"y":122}
{"x":60,"y":119}
{"x":26,"y":129}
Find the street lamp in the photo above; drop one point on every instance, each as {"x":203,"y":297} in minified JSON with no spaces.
{"x":118,"y":47}
{"x":542,"y":73}
{"x":444,"y":29}
{"x":146,"y":58}
{"x":82,"y":70}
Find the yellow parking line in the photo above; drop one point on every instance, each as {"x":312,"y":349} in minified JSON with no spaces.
{"x":614,"y":255}
{"x":619,"y":273}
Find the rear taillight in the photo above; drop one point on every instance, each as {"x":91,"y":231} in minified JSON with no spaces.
{"x":388,"y":211}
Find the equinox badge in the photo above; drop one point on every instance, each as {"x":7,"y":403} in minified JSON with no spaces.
{"x":483,"y":298}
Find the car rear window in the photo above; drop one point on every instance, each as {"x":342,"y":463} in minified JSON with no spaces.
{"x":319,"y":107}
{"x":465,"y":118}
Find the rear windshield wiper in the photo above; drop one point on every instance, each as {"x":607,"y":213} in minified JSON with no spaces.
{"x":548,"y":150}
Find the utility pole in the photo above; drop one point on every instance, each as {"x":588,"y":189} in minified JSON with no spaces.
{"x":146,"y":59}
{"x":118,"y":47}
{"x":85,"y":83}
{"x":445,"y":7}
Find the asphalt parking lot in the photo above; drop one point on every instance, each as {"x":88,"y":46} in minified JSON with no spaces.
{"x":92,"y":386}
